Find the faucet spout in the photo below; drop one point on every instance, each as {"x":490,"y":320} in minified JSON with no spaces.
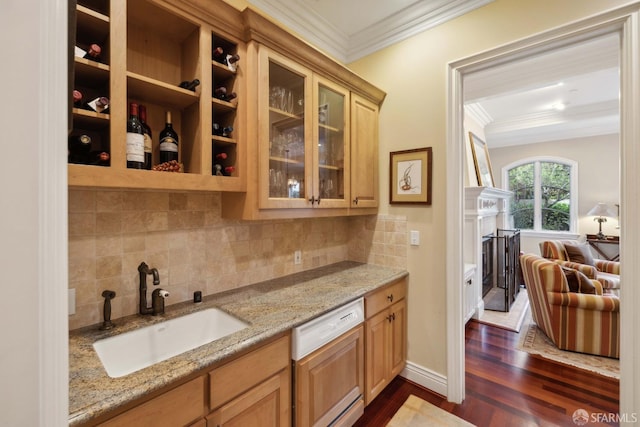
{"x":145,"y":271}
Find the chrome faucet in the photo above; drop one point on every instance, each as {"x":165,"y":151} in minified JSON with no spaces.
{"x":158,"y":296}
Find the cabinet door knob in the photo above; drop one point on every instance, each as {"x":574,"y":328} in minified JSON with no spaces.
{"x":389,"y":318}
{"x":390,"y":298}
{"x":355,"y":201}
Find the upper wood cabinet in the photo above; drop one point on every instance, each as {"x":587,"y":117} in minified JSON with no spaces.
{"x":298,"y":139}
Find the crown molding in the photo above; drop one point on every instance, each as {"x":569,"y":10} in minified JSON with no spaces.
{"x":478,"y":114}
{"x":405,"y":23}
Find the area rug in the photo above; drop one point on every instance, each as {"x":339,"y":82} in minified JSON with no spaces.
{"x":415,"y":412}
{"x":534,"y":341}
{"x":511,"y":320}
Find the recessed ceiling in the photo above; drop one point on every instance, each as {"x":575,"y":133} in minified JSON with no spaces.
{"x":351,"y":29}
{"x":570,"y":92}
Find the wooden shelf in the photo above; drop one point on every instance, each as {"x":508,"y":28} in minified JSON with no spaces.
{"x":221,"y":106}
{"x":92,"y":24}
{"x":91,"y":119}
{"x":223,"y":139}
{"x":159,"y":92}
{"x":91,"y":71}
{"x":221,"y":72}
{"x":115,"y":177}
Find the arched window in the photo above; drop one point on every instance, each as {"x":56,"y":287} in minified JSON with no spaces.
{"x":545,"y":195}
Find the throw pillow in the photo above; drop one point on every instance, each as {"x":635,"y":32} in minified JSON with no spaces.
{"x":579,"y":253}
{"x":578,"y":282}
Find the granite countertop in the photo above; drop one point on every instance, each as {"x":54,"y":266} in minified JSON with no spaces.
{"x":270,"y":308}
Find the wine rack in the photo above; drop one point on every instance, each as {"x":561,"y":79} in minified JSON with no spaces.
{"x":162,"y":51}
{"x":91,"y":77}
{"x":224,"y":113}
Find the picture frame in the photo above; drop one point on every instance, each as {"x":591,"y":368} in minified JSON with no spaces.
{"x":410,"y":173}
{"x":481,"y":160}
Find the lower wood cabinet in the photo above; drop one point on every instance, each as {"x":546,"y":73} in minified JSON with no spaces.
{"x":251,"y":390}
{"x":385,"y":337}
{"x":178,"y":407}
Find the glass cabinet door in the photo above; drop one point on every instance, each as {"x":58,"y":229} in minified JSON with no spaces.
{"x":330,"y":138}
{"x":285,"y":142}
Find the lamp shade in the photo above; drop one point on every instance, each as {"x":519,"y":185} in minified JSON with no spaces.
{"x":601,"y":209}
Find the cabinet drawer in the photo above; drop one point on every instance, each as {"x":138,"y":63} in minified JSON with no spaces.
{"x":232,"y":379}
{"x":178,"y":407}
{"x":383,"y":298}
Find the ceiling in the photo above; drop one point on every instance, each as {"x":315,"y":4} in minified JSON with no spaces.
{"x":570,"y":92}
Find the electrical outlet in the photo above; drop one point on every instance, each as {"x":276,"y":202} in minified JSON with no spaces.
{"x":72,"y":301}
{"x":297,"y":257}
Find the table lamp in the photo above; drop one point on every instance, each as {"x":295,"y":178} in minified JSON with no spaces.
{"x":601,"y":211}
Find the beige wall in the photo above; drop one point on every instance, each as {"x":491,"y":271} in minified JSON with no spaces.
{"x":193,"y":248}
{"x":598,"y":159}
{"x":414,"y":75}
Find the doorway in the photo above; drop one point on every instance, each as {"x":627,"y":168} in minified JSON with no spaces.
{"x":623,"y":21}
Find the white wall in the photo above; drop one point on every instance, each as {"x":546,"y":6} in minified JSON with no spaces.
{"x":33,"y":355}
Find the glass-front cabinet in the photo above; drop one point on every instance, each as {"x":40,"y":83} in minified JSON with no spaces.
{"x":331,"y":133}
{"x":303,"y":131}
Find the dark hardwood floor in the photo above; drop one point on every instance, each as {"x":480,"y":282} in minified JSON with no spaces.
{"x":507,"y":387}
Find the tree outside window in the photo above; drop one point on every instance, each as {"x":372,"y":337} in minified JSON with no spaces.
{"x":543,"y":194}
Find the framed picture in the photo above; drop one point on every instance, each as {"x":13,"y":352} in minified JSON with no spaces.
{"x":410,"y":176}
{"x":481,"y":161}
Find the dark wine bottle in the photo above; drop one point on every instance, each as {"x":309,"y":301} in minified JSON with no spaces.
{"x":218,"y":130}
{"x":135,"y":139}
{"x":218,"y":55}
{"x":99,"y":105}
{"x":148,"y":141}
{"x":79,"y":147}
{"x":77,"y":98}
{"x":221,"y":156}
{"x":93,"y":53}
{"x":190,"y":85}
{"x":99,"y":158}
{"x":222,"y":94}
{"x":168,"y":142}
{"x":232,"y":59}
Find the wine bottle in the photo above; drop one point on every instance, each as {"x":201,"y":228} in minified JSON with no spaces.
{"x":99,"y":105}
{"x":222,"y":94}
{"x":190,"y":85}
{"x":79,"y":147}
{"x":99,"y":158}
{"x":221,"y":156}
{"x":232,"y":59}
{"x":148,"y":141}
{"x":93,"y":53}
{"x":218,"y":130}
{"x":218,"y":55}
{"x":168,"y":142}
{"x":135,"y":139}
{"x":77,"y":98}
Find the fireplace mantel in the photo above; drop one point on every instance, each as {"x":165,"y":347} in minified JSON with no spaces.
{"x":485,"y":201}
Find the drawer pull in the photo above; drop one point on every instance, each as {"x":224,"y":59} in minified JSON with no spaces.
{"x":390,"y":298}
{"x":391,"y":317}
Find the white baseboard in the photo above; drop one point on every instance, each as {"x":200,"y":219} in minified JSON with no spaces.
{"x":426,"y":378}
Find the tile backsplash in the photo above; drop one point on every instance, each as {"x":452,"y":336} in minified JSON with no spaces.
{"x":183,"y":235}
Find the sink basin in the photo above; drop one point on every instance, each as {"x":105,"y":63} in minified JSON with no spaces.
{"x":129,"y":352}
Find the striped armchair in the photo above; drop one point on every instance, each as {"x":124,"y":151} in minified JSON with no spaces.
{"x":584,"y":323}
{"x":606,"y":272}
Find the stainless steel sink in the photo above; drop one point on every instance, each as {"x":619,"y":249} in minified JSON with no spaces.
{"x":131,"y":351}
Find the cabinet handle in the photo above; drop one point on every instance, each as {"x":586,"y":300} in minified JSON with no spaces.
{"x":391,"y":317}
{"x":469,"y":282}
{"x":314,"y":200}
{"x":390,"y":298}
{"x":355,"y":201}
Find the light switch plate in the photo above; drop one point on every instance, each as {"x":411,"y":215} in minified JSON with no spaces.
{"x":414,"y":238}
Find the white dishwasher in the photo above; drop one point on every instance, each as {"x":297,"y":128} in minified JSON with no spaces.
{"x":328,"y":368}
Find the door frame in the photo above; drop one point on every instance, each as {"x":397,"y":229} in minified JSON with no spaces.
{"x":625,"y":21}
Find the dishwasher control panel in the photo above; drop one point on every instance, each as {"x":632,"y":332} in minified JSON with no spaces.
{"x":323,"y":329}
